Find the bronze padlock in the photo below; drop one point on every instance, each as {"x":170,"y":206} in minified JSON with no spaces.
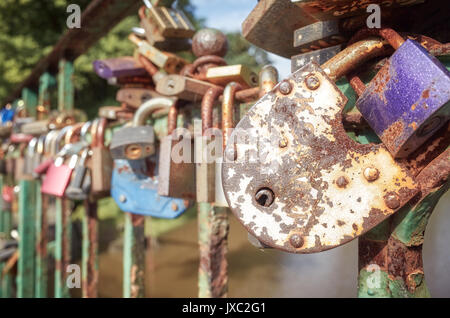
{"x":241,"y":74}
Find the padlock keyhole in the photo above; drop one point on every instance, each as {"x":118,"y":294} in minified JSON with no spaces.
{"x":265,"y":197}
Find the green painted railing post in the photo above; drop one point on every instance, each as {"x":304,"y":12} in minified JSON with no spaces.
{"x":134,"y":256}
{"x":30,"y":100}
{"x":26,"y":220}
{"x":63,"y":207}
{"x":65,"y":86}
{"x":90,"y":250}
{"x":45,"y":83}
{"x":5,"y":230}
{"x":25,"y":274}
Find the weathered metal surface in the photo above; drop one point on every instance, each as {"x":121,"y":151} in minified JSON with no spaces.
{"x":332,"y":9}
{"x":26,"y":270}
{"x":90,"y":251}
{"x":134,"y":257}
{"x":313,"y":171}
{"x":213,"y":229}
{"x":408,"y":100}
{"x":393,"y":249}
{"x":97,"y":20}
{"x":282,"y":18}
{"x":209,"y":42}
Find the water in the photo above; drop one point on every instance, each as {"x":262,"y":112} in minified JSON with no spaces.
{"x":173,"y":265}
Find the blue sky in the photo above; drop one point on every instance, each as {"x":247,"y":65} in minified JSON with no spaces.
{"x":228,"y":15}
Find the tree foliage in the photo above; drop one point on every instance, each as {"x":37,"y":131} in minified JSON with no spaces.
{"x":29,"y":29}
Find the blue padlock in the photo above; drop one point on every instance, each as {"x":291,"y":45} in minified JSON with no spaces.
{"x":135,"y":190}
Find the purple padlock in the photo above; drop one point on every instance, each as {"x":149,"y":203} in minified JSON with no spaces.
{"x":408,"y":100}
{"x":119,"y":67}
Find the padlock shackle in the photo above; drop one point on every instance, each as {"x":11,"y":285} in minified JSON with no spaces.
{"x":211,"y":95}
{"x":268,"y":78}
{"x":193,"y":70}
{"x":149,"y":107}
{"x":434,"y":47}
{"x":40,"y":144}
{"x":99,"y":136}
{"x":172,"y":117}
{"x":32,"y":144}
{"x":72,"y":133}
{"x":60,"y":136}
{"x":85,"y":130}
{"x":354,"y":56}
{"x":49,"y":139}
{"x":228,"y":110}
{"x":141,"y":13}
{"x":390,"y":35}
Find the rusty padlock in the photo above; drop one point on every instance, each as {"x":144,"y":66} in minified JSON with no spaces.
{"x":298,"y":182}
{"x":135,"y":97}
{"x":176,"y":160}
{"x":183,"y":87}
{"x":169,"y":62}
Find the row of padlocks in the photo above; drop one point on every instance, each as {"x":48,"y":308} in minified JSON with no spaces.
{"x":353,"y":143}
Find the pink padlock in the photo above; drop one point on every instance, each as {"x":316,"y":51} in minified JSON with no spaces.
{"x":58,"y":177}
